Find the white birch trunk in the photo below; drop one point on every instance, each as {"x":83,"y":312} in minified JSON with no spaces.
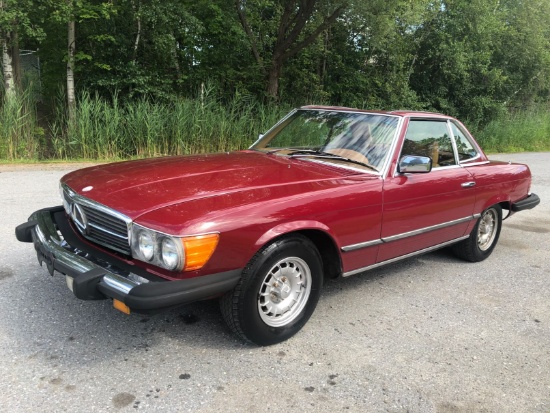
{"x":7,"y":69}
{"x":7,"y":63}
{"x":71,"y":102}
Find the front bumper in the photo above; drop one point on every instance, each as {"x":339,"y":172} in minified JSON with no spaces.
{"x":93,"y":276}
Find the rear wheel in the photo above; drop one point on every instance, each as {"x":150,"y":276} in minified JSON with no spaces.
{"x":277,"y":292}
{"x":483,"y":238}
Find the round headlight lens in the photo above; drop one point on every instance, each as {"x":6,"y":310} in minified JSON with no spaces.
{"x":146,"y":245}
{"x":170,"y":253}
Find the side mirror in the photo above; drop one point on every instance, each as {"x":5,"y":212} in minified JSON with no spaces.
{"x":412,"y":164}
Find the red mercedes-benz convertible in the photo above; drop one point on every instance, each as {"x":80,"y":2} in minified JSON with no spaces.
{"x":326,"y":192}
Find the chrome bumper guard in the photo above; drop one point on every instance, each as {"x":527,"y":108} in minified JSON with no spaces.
{"x":90,"y":278}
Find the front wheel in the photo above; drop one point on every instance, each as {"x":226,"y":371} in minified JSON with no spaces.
{"x":483,"y":238}
{"x":277,"y":292}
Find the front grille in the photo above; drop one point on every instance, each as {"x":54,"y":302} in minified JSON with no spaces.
{"x":96,"y":222}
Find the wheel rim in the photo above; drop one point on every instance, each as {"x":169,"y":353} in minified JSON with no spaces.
{"x":487,"y":229}
{"x":284,"y":291}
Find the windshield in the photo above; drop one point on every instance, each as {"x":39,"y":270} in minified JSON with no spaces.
{"x":360,"y":138}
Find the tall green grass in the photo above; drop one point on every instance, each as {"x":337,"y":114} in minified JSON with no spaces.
{"x":142,"y":128}
{"x":20,"y":136}
{"x":521,"y":131}
{"x":111,"y":129}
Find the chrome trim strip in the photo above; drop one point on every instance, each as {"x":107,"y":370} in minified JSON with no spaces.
{"x":347,"y":110}
{"x":453,"y":142}
{"x":107,"y":231}
{"x":412,"y":254}
{"x":119,"y":283}
{"x":444,"y":168}
{"x":341,"y":165}
{"x":465,"y":165}
{"x":385,"y":170}
{"x":283,"y":119}
{"x":397,"y":237}
{"x":95,"y":205}
{"x":49,"y":238}
{"x":427,"y":229}
{"x":461,"y":162}
{"x":362,"y":245}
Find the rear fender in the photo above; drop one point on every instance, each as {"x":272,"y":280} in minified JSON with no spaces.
{"x":502,"y":199}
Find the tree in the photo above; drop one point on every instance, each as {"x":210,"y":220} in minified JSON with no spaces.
{"x":15,"y":20}
{"x":298,"y":27}
{"x":70,"y":12}
{"x":524,"y":52}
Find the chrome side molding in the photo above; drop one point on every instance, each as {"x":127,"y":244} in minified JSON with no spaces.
{"x":396,"y":237}
{"x":412,"y":254}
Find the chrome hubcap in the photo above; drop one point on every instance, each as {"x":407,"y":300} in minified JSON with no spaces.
{"x":487,"y":229}
{"x":284,"y":291}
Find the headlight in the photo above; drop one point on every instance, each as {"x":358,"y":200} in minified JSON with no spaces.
{"x":170,"y":252}
{"x":146,"y":245}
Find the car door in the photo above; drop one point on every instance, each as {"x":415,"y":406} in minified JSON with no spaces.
{"x":423,"y":210}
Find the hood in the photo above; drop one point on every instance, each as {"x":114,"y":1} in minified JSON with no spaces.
{"x":138,"y":187}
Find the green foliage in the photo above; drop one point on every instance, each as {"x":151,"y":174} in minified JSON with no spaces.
{"x":23,"y":16}
{"x":142,"y":128}
{"x":525,"y":130}
{"x":180,"y":76}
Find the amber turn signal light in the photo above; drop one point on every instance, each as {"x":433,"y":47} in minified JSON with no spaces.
{"x":120,"y":306}
{"x":198,"y":250}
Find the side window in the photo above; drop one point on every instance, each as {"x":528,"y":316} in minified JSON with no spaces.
{"x":429,"y":138}
{"x":466,"y":151}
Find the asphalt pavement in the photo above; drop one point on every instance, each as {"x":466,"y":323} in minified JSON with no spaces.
{"x":429,"y":334}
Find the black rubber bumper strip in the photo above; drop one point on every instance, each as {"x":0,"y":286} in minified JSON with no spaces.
{"x":158,"y":295}
{"x":23,"y":232}
{"x":527,"y":203}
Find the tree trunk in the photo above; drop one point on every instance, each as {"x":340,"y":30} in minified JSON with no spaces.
{"x":295,"y":18}
{"x":273,"y":80}
{"x":16,"y":61}
{"x":7,"y":67}
{"x":71,"y":101}
{"x":138,"y":30}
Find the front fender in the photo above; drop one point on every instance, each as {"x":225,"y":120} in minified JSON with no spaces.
{"x":289,"y":227}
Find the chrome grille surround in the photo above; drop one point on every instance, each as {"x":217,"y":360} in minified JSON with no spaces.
{"x":96,"y":222}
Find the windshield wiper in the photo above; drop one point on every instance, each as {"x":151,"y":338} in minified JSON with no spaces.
{"x":321,"y":154}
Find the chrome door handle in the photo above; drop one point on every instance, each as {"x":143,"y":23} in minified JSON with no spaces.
{"x":468,"y":184}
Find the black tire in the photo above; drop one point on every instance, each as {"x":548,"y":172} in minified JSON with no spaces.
{"x":266,"y":288}
{"x":483,"y":238}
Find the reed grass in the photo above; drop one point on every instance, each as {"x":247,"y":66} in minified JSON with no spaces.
{"x":20,"y":135}
{"x":111,"y":129}
{"x":142,"y":128}
{"x":521,"y":131}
